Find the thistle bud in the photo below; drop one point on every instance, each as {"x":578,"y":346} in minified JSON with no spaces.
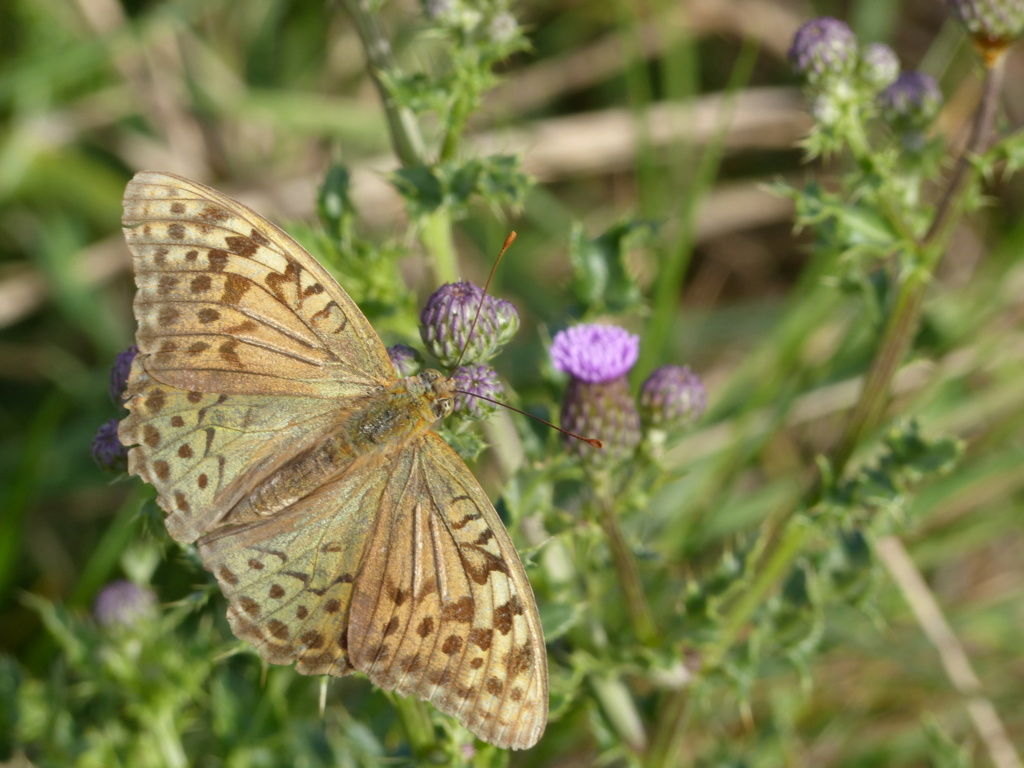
{"x":879,"y":65}
{"x":448,"y":315}
{"x":912,"y":102}
{"x":672,"y":396}
{"x":823,"y":48}
{"x":407,"y":361}
{"x":107,"y":449}
{"x":119,"y":373}
{"x":992,"y":24}
{"x":123,"y":603}
{"x":478,"y":381}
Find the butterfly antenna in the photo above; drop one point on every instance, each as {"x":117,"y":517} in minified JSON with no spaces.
{"x":479,"y":307}
{"x":592,"y":441}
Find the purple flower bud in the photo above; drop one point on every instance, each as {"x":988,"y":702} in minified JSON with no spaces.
{"x":913,"y":101}
{"x":107,"y":449}
{"x":879,"y":65}
{"x":597,"y":401}
{"x":989,"y":22}
{"x":119,"y":373}
{"x":672,"y":396}
{"x":407,"y":361}
{"x":823,"y":47}
{"x":448,"y":316}
{"x":123,"y":603}
{"x":478,"y":380}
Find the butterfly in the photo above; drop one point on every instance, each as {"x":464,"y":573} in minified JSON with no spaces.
{"x":344,"y":532}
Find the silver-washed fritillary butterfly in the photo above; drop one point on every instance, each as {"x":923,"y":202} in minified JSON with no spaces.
{"x":344,"y":532}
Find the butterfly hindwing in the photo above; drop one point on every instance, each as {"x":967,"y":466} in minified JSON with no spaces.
{"x":442,"y":607}
{"x":289,"y":579}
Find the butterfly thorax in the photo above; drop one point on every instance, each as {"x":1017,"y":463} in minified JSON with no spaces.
{"x":379,"y":424}
{"x":402,"y":412}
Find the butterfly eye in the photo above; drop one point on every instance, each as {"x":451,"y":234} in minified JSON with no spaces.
{"x":443,"y":407}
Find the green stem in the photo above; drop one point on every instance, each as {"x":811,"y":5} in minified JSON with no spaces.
{"x":625,"y":563}
{"x":436,"y":236}
{"x":896,"y":337}
{"x":416,"y":723}
{"x":405,"y":133}
{"x":456,"y":124}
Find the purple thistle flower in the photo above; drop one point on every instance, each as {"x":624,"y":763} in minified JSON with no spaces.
{"x":479,"y":380}
{"x":879,"y":65}
{"x":595,"y":353}
{"x":913,"y":101}
{"x":823,"y":47}
{"x":672,"y":396}
{"x":107,"y":448}
{"x":407,"y":361}
{"x":990,"y":23}
{"x":119,"y":373}
{"x":448,"y":315}
{"x":597,"y":401}
{"x":123,"y":603}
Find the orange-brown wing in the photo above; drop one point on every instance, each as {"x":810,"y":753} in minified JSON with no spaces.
{"x":228,"y":303}
{"x":442,"y":608}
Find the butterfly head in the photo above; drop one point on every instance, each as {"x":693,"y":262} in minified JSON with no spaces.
{"x":436,"y":391}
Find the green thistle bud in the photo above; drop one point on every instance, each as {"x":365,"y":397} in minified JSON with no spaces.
{"x":879,"y":66}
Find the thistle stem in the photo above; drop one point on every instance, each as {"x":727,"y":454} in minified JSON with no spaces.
{"x":406,"y":138}
{"x":625,"y":563}
{"x":415,"y":720}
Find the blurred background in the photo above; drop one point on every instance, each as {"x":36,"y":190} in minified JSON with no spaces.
{"x":614,"y":111}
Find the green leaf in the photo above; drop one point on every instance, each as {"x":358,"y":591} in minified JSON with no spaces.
{"x":602,"y":279}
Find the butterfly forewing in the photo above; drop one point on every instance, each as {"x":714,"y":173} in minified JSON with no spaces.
{"x":385,"y":556}
{"x":228,"y":303}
